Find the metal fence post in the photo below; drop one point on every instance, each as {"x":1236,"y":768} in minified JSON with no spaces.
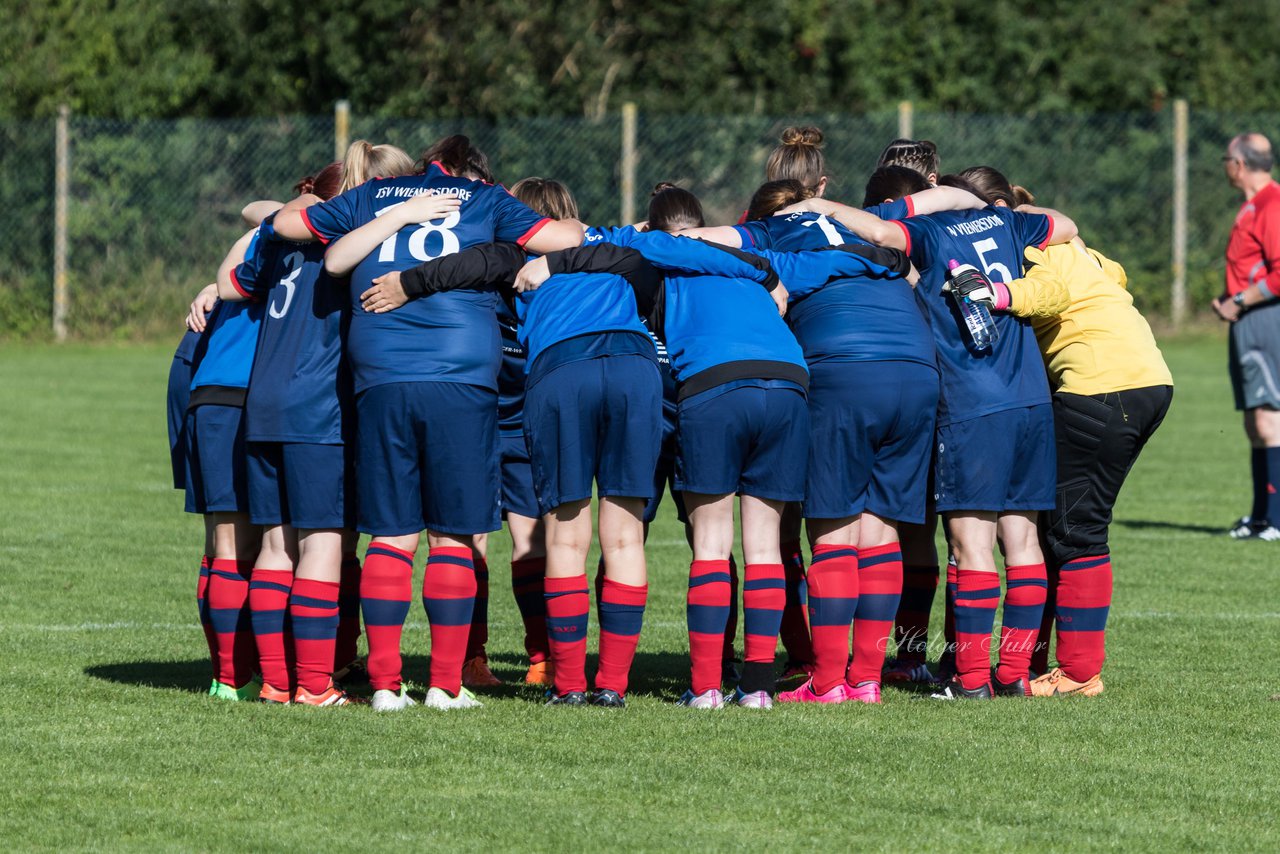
{"x":1178,"y":297}
{"x":62,"y":181}
{"x":341,"y":128}
{"x":628,"y":163}
{"x":906,"y":120}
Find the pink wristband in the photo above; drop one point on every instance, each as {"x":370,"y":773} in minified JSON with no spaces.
{"x":1003,"y":298}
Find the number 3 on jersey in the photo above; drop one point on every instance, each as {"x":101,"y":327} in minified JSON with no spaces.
{"x":982,"y":247}
{"x":418,"y":239}
{"x":294,"y":262}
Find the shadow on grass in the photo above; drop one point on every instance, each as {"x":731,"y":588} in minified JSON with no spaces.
{"x":187,"y":676}
{"x":1152,"y":525}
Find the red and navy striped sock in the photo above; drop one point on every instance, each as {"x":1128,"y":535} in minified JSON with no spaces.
{"x":794,"y":631}
{"x":478,"y":636}
{"x":707,"y":611}
{"x":527,"y":582}
{"x":386,"y":588}
{"x":833,"y":600}
{"x":949,"y":615}
{"x":1084,"y":600}
{"x":1040,"y":657}
{"x":269,"y":609}
{"x":567,"y":608}
{"x":228,"y":597}
{"x":879,"y":589}
{"x":919,"y":583}
{"x":621,"y":614}
{"x":1024,"y":596}
{"x":728,"y":653}
{"x":348,"y":612}
{"x":202,"y":606}
{"x":977,"y":595}
{"x":449,"y":595}
{"x":313,"y":614}
{"x":764,"y":597}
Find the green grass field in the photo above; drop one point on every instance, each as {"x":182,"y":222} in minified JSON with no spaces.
{"x":108,"y":741}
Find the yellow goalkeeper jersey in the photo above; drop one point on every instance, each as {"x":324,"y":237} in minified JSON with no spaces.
{"x":1099,"y":343}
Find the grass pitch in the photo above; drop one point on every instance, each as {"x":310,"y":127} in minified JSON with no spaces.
{"x":108,"y":742}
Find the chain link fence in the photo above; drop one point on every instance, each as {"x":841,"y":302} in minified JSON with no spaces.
{"x":153,"y":205}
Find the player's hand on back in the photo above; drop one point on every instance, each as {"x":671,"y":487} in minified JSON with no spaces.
{"x":780,"y":295}
{"x":386,"y":294}
{"x":532,"y":275}
{"x":426,"y":207}
{"x":201,"y":306}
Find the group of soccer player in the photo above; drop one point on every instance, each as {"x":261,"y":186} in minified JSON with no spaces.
{"x":409,"y":346}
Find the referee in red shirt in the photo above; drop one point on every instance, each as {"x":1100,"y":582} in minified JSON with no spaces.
{"x":1251,"y":306}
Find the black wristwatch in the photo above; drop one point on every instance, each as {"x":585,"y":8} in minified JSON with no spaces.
{"x":1238,"y":299}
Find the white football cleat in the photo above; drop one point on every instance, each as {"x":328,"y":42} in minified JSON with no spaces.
{"x":386,"y":700}
{"x":754,"y":700}
{"x":438,"y":698}
{"x":711,"y":699}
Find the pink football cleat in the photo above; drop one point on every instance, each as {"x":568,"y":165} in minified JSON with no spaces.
{"x":863,"y":692}
{"x":806,"y":694}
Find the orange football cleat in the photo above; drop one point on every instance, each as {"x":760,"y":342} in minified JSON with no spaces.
{"x":331,"y":696}
{"x":277,"y":696}
{"x":541,"y":673}
{"x":476,"y":674}
{"x":1055,"y":683}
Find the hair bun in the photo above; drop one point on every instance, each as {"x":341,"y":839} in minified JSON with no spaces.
{"x":1022,"y":196}
{"x":306,"y":185}
{"x":661,"y":186}
{"x":807,"y":135}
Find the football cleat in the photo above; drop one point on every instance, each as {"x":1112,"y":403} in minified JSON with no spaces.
{"x":569,"y":698}
{"x":476,"y":673}
{"x":899,"y":670}
{"x":1020,"y":687}
{"x":213,"y":687}
{"x":806,"y":694}
{"x":946,"y":667}
{"x":331,"y":696}
{"x":753,"y":700}
{"x":1055,"y":683}
{"x":954,"y":690}
{"x":438,"y":698}
{"x":1268,"y":534}
{"x":608,"y":698}
{"x":711,"y":699}
{"x":540,"y":673}
{"x":274,"y":696}
{"x":223,"y":691}
{"x":386,"y":700}
{"x":796,"y":670}
{"x":863,"y":692}
{"x":1246,"y":528}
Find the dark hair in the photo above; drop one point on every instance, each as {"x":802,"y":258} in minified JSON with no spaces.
{"x":991,"y":184}
{"x":547,"y":197}
{"x":892,"y":182}
{"x":798,"y":157}
{"x":672,"y":208}
{"x":773,"y":196}
{"x":961,"y":183}
{"x":457,"y":156}
{"x":920,"y":155}
{"x":326,"y":183}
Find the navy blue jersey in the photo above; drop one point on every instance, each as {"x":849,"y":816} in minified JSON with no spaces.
{"x":850,"y":320}
{"x":300,"y":388}
{"x":992,"y":239}
{"x":446,"y":337}
{"x":511,"y":374}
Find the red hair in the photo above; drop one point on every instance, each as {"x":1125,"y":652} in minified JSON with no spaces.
{"x":324,"y":183}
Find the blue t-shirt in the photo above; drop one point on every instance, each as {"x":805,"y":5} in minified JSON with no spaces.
{"x":444,"y":337}
{"x":1011,"y":374}
{"x":855,"y":319}
{"x":568,"y":305}
{"x":300,"y":388}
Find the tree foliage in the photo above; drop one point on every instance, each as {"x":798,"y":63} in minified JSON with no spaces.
{"x":502,"y":58}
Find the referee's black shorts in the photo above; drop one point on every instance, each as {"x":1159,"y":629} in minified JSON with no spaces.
{"x":1098,"y":439}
